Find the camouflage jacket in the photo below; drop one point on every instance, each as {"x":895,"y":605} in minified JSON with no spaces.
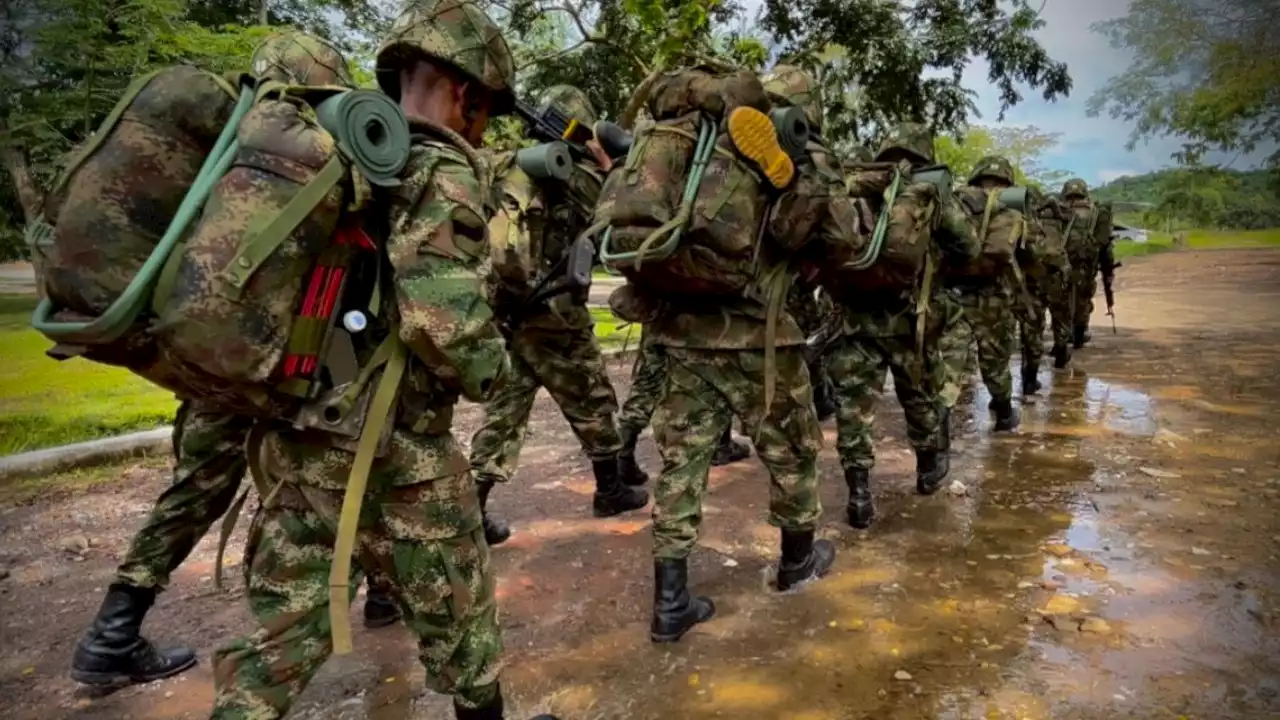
{"x":532,"y":227}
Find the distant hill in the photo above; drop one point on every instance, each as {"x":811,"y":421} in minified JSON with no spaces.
{"x":1249,"y":199}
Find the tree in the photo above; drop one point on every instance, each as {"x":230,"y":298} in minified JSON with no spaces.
{"x":1024,"y":146}
{"x":1206,"y":71}
{"x":886,"y":62}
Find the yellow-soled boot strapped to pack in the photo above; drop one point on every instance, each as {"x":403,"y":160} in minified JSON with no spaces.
{"x":756,"y":139}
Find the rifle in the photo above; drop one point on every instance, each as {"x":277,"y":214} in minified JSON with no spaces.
{"x":549,"y":124}
{"x":1111,"y":299}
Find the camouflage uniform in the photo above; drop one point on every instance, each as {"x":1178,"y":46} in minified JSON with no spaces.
{"x":648,"y":376}
{"x":209,"y":451}
{"x":552,"y":345}
{"x":986,"y":317}
{"x":880,"y":334}
{"x":1088,"y":256}
{"x":718,"y":364}
{"x":1049,"y":295}
{"x":420,"y":521}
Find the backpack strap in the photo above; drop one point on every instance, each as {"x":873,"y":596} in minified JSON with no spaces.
{"x":380,"y":412}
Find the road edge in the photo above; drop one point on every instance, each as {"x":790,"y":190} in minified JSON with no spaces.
{"x":93,"y":453}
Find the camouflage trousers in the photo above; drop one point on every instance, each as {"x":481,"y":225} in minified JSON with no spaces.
{"x":568,"y":363}
{"x":987,"y":321}
{"x":1048,"y":296}
{"x":426,"y":537}
{"x":1084,"y":284}
{"x":210,"y":464}
{"x":704,"y":390}
{"x":648,"y":378}
{"x":209,"y":448}
{"x":857,"y":365}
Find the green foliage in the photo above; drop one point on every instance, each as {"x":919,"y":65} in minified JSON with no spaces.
{"x":1199,"y":197}
{"x":1024,"y":146}
{"x":880,"y":63}
{"x":1206,"y":72}
{"x":44,"y":402}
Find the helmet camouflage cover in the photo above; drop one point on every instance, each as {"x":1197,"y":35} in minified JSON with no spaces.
{"x":297,"y":58}
{"x":572,"y":102}
{"x":456,"y":32}
{"x":788,"y":84}
{"x":912,"y":138}
{"x":1075,"y":187}
{"x":993,"y":166}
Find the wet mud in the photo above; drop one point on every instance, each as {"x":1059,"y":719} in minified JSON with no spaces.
{"x":1115,"y":558}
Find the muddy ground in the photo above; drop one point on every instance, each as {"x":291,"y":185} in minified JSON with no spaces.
{"x":1117,"y":558}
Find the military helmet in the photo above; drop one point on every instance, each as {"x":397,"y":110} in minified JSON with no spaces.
{"x":297,"y":58}
{"x":456,"y":32}
{"x":572,"y":102}
{"x":1075,"y":187}
{"x":789,"y":85}
{"x":914,"y":139}
{"x":993,"y":166}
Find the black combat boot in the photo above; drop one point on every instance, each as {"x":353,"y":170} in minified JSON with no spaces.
{"x":493,"y":711}
{"x":612,"y":497}
{"x":729,"y":450}
{"x":113,"y":649}
{"x":628,"y":469}
{"x":932,"y":467}
{"x":1006,"y":415}
{"x":861,"y":510}
{"x":496,"y":531}
{"x":803,"y":559}
{"x":1061,"y":356}
{"x":380,"y":608}
{"x":1030,"y":379}
{"x":675,"y":611}
{"x":1081,"y":336}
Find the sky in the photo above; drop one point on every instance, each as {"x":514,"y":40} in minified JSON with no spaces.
{"x":1091,"y":148}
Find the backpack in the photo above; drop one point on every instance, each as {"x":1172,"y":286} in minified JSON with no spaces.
{"x":1081,"y":232}
{"x":893,"y":259}
{"x":1045,"y":250}
{"x":683,"y":216}
{"x":1001,"y":230}
{"x":236,"y":305}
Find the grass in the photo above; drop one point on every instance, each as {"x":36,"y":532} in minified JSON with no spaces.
{"x":614,"y":334}
{"x":1200,"y":240}
{"x":44,"y":402}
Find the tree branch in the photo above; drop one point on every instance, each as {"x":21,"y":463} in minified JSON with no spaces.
{"x":15,"y":163}
{"x":628,"y":118}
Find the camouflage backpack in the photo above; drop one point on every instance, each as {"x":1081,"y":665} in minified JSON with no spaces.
{"x":905,"y":191}
{"x":206,"y":236}
{"x":1045,"y":252}
{"x":1084,"y":223}
{"x":684,"y":214}
{"x":1000,"y":228}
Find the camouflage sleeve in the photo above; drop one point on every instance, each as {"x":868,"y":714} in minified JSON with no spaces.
{"x":439,"y":260}
{"x":1107,"y":259}
{"x":955,"y":234}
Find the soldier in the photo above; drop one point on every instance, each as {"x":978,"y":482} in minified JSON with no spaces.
{"x":880,"y":333}
{"x":209,"y":450}
{"x":987,"y":316}
{"x":552,"y":345}
{"x":648,"y":376}
{"x":721,"y":361}
{"x":1048,"y":288}
{"x":1088,"y":237}
{"x":450,"y":69}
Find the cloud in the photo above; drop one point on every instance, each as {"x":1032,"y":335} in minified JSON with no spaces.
{"x":1109,"y":174}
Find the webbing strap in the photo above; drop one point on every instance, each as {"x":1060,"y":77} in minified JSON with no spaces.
{"x":349,"y":520}
{"x":258,"y":479}
{"x":258,"y":247}
{"x":778,"y":285}
{"x":224,"y":534}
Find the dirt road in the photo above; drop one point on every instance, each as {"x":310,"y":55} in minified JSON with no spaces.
{"x":1116,"y":559}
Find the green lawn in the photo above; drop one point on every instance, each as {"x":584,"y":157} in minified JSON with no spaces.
{"x":44,"y":402}
{"x":1200,"y":240}
{"x":614,"y":334}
